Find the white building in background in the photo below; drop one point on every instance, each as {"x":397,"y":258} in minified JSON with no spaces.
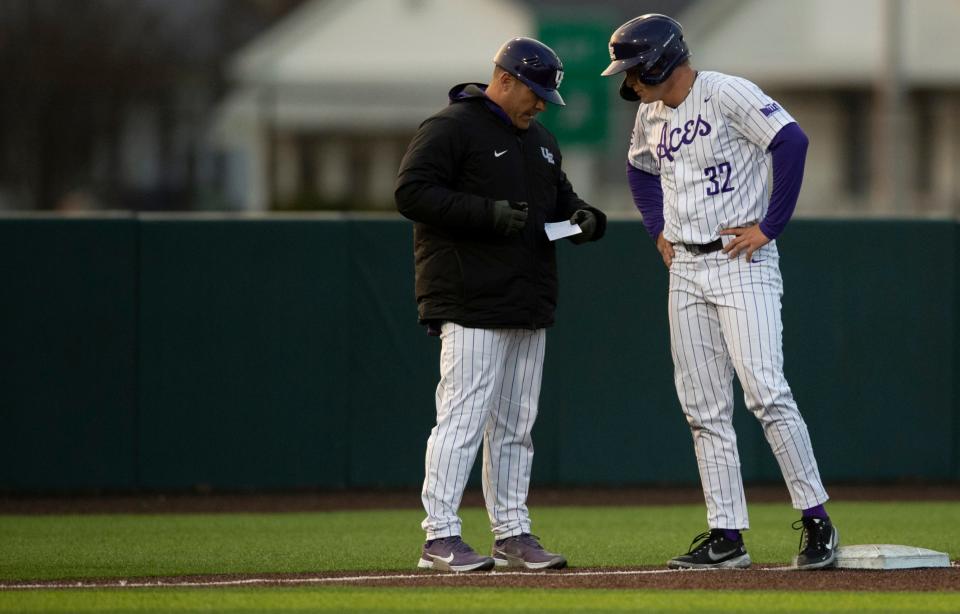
{"x":325,"y":103}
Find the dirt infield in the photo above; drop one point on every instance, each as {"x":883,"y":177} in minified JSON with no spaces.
{"x":757,"y":578}
{"x":394,"y":499}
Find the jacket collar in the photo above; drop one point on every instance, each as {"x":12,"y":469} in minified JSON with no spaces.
{"x":477,"y":91}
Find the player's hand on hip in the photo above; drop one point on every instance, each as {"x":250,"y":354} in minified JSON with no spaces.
{"x":666,"y":250}
{"x":745,"y":240}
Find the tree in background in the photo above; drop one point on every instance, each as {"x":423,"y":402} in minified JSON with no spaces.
{"x":104,"y":100}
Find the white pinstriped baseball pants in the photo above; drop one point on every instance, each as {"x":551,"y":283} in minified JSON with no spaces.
{"x":725,"y":319}
{"x":489,"y":388}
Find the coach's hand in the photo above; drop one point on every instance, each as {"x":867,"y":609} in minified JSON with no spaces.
{"x":666,"y":250}
{"x":748,"y":240}
{"x":509,"y":218}
{"x":587,"y":222}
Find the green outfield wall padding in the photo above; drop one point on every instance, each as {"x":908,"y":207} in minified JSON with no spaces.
{"x":244,"y":369}
{"x":870,"y":315}
{"x":68,"y":359}
{"x":162,"y":353}
{"x":393,"y":365}
{"x":608,"y":383}
{"x":953,"y":370}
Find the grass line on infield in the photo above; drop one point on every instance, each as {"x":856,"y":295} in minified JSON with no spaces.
{"x":126,"y":546}
{"x":469,"y":600}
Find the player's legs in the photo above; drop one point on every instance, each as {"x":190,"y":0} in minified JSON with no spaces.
{"x":470,"y":371}
{"x":750,"y":317}
{"x":703,"y":376}
{"x":508,"y":449}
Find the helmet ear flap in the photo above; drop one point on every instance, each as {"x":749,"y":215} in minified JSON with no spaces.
{"x":627,"y":93}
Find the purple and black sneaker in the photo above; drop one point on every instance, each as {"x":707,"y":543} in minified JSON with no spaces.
{"x":452,"y":554}
{"x":818,"y":544}
{"x":713,"y":550}
{"x":525,"y":551}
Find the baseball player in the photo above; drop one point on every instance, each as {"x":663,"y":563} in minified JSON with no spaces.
{"x":479,"y":179}
{"x":701,"y":150}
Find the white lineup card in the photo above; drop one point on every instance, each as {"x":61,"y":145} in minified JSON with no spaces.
{"x":559,"y":230}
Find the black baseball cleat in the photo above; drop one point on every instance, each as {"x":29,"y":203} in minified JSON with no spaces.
{"x":712,"y":550}
{"x":818,"y":544}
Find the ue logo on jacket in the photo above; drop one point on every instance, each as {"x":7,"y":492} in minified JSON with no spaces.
{"x":547,"y":155}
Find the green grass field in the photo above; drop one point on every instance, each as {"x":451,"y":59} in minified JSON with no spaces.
{"x":339,"y":599}
{"x":54,"y":547}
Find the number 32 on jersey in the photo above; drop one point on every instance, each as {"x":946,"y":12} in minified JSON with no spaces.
{"x":719,"y":177}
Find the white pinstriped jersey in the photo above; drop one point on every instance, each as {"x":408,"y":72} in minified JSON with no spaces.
{"x":711,"y":155}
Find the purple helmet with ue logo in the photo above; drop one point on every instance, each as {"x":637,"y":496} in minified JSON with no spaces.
{"x":535,"y":65}
{"x":652,"y":44}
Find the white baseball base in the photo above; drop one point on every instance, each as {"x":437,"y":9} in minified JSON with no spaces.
{"x":888,"y":556}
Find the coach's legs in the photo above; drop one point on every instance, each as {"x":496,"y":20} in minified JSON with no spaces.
{"x":703,"y":376}
{"x":508,"y":449}
{"x":469,"y":379}
{"x":751,"y":317}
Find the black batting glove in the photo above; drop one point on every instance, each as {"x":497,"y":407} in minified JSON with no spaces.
{"x":588,"y":225}
{"x":509,"y":218}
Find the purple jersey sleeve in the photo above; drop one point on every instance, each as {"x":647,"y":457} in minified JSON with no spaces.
{"x":789,"y":150}
{"x":648,"y":197}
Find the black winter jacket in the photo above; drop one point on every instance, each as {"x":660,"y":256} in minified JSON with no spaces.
{"x":459,"y":162}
